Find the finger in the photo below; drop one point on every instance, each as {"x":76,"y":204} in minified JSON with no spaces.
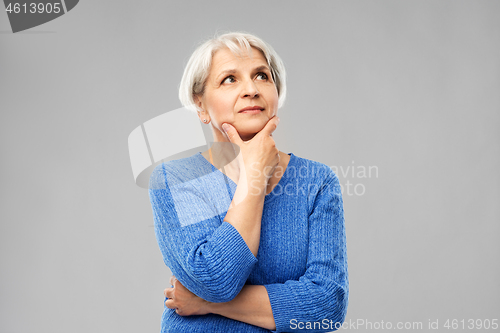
{"x":270,"y":127}
{"x":232,"y":133}
{"x":179,"y":285}
{"x":169,"y":303}
{"x":170,"y":292}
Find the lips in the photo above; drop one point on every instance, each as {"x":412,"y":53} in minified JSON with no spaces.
{"x":251,"y":109}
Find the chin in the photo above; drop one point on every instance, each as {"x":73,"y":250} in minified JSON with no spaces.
{"x":250,"y":130}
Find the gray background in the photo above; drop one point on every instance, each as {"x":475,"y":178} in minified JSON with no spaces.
{"x":411,"y":87}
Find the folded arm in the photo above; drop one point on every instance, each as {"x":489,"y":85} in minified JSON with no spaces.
{"x":250,"y":306}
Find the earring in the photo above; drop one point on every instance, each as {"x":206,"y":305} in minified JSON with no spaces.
{"x":204,"y":120}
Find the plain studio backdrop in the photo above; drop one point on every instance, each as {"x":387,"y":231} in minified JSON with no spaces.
{"x":408,"y":90}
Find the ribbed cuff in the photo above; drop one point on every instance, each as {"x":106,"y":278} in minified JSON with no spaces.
{"x":235,"y":262}
{"x":292,"y":304}
{"x":279,"y":296}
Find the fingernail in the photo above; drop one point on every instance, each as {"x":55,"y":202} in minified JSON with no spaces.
{"x":225,"y":127}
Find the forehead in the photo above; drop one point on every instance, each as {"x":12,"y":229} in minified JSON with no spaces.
{"x":225,"y":59}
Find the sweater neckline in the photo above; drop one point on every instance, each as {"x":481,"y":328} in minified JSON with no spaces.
{"x":278,"y":188}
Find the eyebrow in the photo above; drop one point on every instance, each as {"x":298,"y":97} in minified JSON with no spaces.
{"x":234,"y":71}
{"x":261,"y":68}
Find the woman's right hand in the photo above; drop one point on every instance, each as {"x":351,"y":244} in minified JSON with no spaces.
{"x":259,"y":154}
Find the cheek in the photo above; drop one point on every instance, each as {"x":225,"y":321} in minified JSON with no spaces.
{"x":220,"y":112}
{"x":273,"y":100}
{"x":221,"y":108}
{"x":270,"y":91}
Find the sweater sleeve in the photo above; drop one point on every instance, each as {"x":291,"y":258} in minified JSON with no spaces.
{"x":320,"y":296}
{"x":209,"y":257}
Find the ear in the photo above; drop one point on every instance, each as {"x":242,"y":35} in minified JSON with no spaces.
{"x":202,"y":113}
{"x":199,"y":103}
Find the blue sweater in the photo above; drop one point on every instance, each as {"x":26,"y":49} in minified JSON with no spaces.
{"x":302,"y":258}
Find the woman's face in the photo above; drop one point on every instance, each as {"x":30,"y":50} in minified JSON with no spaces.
{"x":235,"y":84}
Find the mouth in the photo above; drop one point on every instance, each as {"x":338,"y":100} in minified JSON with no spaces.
{"x":252,"y":110}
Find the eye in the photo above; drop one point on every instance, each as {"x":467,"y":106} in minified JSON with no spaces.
{"x":262,"y":76}
{"x":228,"y":79}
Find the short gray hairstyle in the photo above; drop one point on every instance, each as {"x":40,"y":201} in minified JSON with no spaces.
{"x":198,"y":67}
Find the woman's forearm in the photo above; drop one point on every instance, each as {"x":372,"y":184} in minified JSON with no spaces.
{"x":245,"y":212}
{"x":251,"y":306}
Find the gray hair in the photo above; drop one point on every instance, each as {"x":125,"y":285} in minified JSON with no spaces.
{"x":198,"y":67}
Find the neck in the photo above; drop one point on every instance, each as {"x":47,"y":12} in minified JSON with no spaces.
{"x":223,"y":153}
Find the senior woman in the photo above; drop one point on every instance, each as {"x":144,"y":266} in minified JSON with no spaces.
{"x":254,"y":237}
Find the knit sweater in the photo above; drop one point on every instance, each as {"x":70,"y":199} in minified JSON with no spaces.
{"x":302,"y":260}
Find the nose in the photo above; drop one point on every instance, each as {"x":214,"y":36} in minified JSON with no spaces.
{"x":249,"y":89}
